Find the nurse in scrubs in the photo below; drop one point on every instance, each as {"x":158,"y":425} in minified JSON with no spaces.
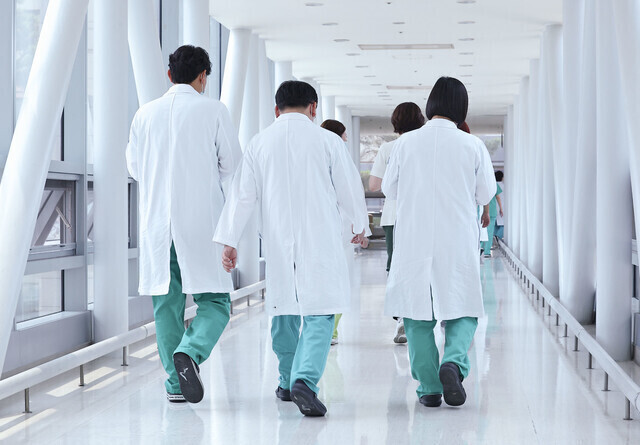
{"x":303,"y":184}
{"x":438,"y":175}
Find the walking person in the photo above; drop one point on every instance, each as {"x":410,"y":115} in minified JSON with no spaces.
{"x":438,"y":175}
{"x":406,"y":117}
{"x":182,"y":147}
{"x":303,"y":183}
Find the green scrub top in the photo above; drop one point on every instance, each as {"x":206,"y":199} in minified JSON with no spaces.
{"x":493,"y":205}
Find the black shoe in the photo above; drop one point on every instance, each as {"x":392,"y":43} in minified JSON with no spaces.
{"x":175,"y":398}
{"x":283,"y":394}
{"x":189,"y":377}
{"x":431,"y":400}
{"x":454,"y":394}
{"x":306,"y":400}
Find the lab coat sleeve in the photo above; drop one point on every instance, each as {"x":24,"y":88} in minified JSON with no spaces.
{"x":379,"y":166}
{"x":132,"y":151}
{"x":390,"y":180}
{"x":228,"y":146}
{"x":239,"y":205}
{"x":485,"y":178}
{"x":349,"y":191}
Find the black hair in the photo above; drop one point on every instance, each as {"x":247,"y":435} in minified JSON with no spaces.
{"x":295,"y":94}
{"x":499,"y":176}
{"x":334,"y":126}
{"x":187,"y":62}
{"x":449,"y":99}
{"x":407,"y":117}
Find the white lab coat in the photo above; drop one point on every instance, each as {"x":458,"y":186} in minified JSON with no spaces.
{"x":301,"y":179}
{"x":439,"y":175}
{"x":182,"y":147}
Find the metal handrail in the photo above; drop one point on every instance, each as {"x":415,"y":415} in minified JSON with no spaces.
{"x":29,"y":378}
{"x":627,"y":386}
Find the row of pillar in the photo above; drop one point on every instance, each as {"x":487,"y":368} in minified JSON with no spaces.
{"x":573,"y":168}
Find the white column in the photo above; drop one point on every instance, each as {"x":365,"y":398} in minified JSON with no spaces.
{"x":508,"y":180}
{"x":320,"y":110}
{"x":581,"y":284}
{"x":283,"y":71}
{"x":195,"y":23}
{"x":355,"y":140}
{"x":343,"y":114}
{"x":30,"y":151}
{"x":614,"y":216}
{"x":265,"y":90}
{"x":235,"y":73}
{"x":514,"y":182}
{"x":523,"y":165}
{"x":328,"y":107}
{"x":249,"y":245}
{"x":111,"y":132}
{"x":552,"y":115}
{"x":534,"y":170}
{"x":146,"y":55}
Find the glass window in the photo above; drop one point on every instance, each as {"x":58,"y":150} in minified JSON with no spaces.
{"x":29,"y":15}
{"x":90,"y":292}
{"x":55,"y":225}
{"x":41,"y":295}
{"x":91,"y":210}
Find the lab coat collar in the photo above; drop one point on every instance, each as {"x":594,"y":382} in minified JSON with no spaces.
{"x":441,"y":123}
{"x":293,"y":116}
{"x":182,"y":88}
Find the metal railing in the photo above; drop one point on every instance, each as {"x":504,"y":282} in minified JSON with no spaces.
{"x":31,"y":377}
{"x":611,"y":368}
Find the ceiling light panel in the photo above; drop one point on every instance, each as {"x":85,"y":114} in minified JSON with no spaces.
{"x":396,"y":47}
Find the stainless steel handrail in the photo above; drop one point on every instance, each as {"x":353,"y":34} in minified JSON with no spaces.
{"x":611,"y":368}
{"x":27,"y":379}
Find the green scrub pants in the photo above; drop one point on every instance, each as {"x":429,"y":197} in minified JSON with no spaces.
{"x":423,"y":352}
{"x":335,"y":327}
{"x":203,"y":333}
{"x":486,"y":245}
{"x":301,"y":355}
{"x":388,"y":238}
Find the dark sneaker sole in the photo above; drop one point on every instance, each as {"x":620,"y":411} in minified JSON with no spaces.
{"x":189,"y":378}
{"x":176,"y":398}
{"x":307,"y":403}
{"x":431,"y":401}
{"x":454,"y":393}
{"x":283,"y":394}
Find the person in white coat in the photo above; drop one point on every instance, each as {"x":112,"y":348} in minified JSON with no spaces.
{"x":302,"y":182}
{"x":182,"y":147}
{"x":438,"y":175}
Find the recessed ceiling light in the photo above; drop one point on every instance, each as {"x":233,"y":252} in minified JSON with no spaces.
{"x":370,"y":75}
{"x":466,"y":2}
{"x":314,"y":4}
{"x":466,"y":75}
{"x":466,"y":22}
{"x":398,"y":23}
{"x":353,"y":54}
{"x":466,"y":39}
{"x":376,"y":84}
{"x":406,"y":46}
{"x":467,"y":65}
{"x":468,"y":53}
{"x":408,"y":87}
{"x":340,"y":40}
{"x":362,"y":66}
{"x":330,"y":24}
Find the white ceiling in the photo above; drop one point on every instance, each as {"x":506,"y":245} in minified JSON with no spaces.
{"x":506,"y":36}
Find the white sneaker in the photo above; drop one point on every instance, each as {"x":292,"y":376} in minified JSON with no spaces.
{"x":400,"y":337}
{"x":334,"y":341}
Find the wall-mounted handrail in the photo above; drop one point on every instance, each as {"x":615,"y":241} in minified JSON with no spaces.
{"x":29,"y":378}
{"x":627,"y":386}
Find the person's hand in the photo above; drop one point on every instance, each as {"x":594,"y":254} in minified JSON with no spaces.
{"x":501,"y":214}
{"x":365,"y":243}
{"x":358,"y":239}
{"x":229,"y":256}
{"x":486,"y":219}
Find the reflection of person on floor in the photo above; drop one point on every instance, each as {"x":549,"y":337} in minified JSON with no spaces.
{"x":435,"y":274}
{"x":301,"y":180}
{"x":406,"y":117}
{"x":338,"y":128}
{"x":182,"y":146}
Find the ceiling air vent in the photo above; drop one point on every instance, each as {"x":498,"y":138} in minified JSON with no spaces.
{"x":391,"y":47}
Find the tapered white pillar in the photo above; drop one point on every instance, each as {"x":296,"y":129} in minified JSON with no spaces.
{"x":265,"y":90}
{"x":581,"y":284}
{"x":111,"y":130}
{"x":614,"y":215}
{"x":552,"y":116}
{"x":355,"y":140}
{"x":146,"y":54}
{"x":523,"y":166}
{"x":343,"y":114}
{"x":534,"y":174}
{"x":283,"y":71}
{"x":195,"y":23}
{"x":235,"y":72}
{"x":328,"y":107}
{"x":29,"y":155}
{"x":508,"y":181}
{"x":514,"y":181}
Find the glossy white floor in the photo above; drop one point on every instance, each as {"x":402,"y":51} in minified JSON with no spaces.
{"x":526,"y":386}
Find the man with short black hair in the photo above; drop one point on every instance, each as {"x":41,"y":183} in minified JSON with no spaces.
{"x":182,"y":147}
{"x":301,"y":180}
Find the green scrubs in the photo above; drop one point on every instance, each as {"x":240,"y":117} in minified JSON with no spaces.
{"x":423,"y":352}
{"x":301,"y":355}
{"x":493,"y":214}
{"x":203,"y":333}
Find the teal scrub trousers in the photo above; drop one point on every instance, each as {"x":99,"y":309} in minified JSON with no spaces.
{"x":486,"y":245}
{"x":301,"y":355}
{"x":423,"y":352}
{"x":204,"y":330}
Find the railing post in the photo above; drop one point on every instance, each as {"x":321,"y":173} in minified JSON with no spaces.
{"x":566,"y":333}
{"x":81,"y":375}
{"x":590,"y":362}
{"x":575,"y":343}
{"x":606,"y":382}
{"x":27,"y":403}
{"x":627,"y":409}
{"x":125,"y":356}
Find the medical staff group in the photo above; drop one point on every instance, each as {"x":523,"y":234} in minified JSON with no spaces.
{"x":198,"y":191}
